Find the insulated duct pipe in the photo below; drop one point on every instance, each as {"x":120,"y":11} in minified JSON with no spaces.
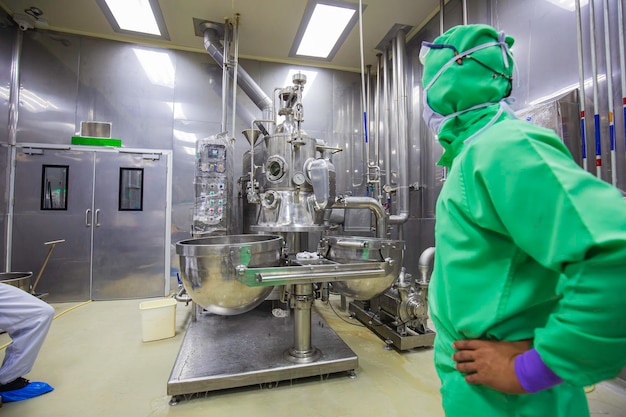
{"x":244,"y":80}
{"x":402,"y":145}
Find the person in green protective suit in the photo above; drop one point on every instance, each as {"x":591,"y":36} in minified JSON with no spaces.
{"x":527,"y":291}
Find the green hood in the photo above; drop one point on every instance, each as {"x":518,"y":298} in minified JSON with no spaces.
{"x":473,"y":82}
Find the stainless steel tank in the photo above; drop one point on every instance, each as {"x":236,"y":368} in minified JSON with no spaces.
{"x":20,"y":280}
{"x":208,"y":273}
{"x":356,"y":249}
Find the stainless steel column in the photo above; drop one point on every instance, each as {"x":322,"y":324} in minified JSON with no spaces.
{"x":302,"y":349}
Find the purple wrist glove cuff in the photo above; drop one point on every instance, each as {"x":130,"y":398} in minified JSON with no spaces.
{"x":533,"y":374}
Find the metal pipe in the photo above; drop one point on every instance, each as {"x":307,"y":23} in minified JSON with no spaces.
{"x":581,"y":81}
{"x":423,"y":265}
{"x":441,"y":7}
{"x":609,"y":86}
{"x":622,"y":61}
{"x":235,"y":65}
{"x":366,"y":203}
{"x":244,"y":80}
{"x":387,"y":118}
{"x":596,"y":105}
{"x":368,"y":93}
{"x":14,"y":100}
{"x":252,"y":140}
{"x":402,"y":144}
{"x":225,"y":79}
{"x":182,"y":296}
{"x":444,"y":170}
{"x":364,"y":95}
{"x":377,"y":114}
{"x":303,"y":294}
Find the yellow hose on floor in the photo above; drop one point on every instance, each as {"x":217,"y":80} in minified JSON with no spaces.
{"x":56,"y":317}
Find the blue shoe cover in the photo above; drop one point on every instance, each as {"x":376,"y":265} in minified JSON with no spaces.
{"x":33,"y":389}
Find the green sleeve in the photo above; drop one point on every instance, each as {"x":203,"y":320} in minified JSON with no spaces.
{"x":569,"y":222}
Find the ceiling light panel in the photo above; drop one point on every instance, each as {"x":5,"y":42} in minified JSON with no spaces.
{"x":135,"y":17}
{"x":323,"y":29}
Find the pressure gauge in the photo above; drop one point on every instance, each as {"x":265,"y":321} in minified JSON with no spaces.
{"x":298,"y":178}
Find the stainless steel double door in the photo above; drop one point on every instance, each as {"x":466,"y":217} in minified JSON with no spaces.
{"x":109,"y":207}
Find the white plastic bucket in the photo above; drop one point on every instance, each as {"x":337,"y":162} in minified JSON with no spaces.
{"x":158,"y":319}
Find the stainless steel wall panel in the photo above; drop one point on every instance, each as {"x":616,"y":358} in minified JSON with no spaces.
{"x":347,"y":128}
{"x":198,"y":88}
{"x":48,"y":94}
{"x":130,"y":86}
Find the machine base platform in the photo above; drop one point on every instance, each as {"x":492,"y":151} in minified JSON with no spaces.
{"x":220,"y":352}
{"x":389,"y":334}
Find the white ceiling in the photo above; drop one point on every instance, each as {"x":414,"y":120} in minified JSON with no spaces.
{"x":266,"y":29}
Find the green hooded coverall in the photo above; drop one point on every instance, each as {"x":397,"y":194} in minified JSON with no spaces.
{"x":528,"y":244}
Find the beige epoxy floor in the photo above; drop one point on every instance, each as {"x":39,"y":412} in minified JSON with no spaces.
{"x":98,"y":365}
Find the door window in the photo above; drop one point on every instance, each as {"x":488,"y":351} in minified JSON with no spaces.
{"x":131,"y":189}
{"x":54,"y":187}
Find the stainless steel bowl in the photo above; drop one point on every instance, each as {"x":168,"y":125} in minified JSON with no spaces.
{"x":208,"y":273}
{"x":356,"y":249}
{"x":20,"y":280}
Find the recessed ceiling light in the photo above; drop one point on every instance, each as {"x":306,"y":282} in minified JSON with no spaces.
{"x":135,"y":17}
{"x":324,"y":27}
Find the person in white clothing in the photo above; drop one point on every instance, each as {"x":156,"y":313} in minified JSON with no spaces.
{"x":26,"y":319}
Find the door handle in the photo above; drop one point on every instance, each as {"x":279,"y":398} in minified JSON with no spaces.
{"x":97,"y":218}
{"x":87,"y":215}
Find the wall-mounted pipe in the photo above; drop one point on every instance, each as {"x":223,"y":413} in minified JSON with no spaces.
{"x":235,"y":65}
{"x":609,"y":86}
{"x":377,"y":99}
{"x":244,"y":80}
{"x":581,"y":88}
{"x":441,"y":7}
{"x":402,"y":144}
{"x":444,"y":170}
{"x":622,"y":63}
{"x":366,"y":203}
{"x":366,"y":112}
{"x":596,"y":105}
{"x":14,"y":100}
{"x":225,"y":78}
{"x":386,"y":117}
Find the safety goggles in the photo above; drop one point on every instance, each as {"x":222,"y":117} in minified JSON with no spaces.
{"x":428,"y":46}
